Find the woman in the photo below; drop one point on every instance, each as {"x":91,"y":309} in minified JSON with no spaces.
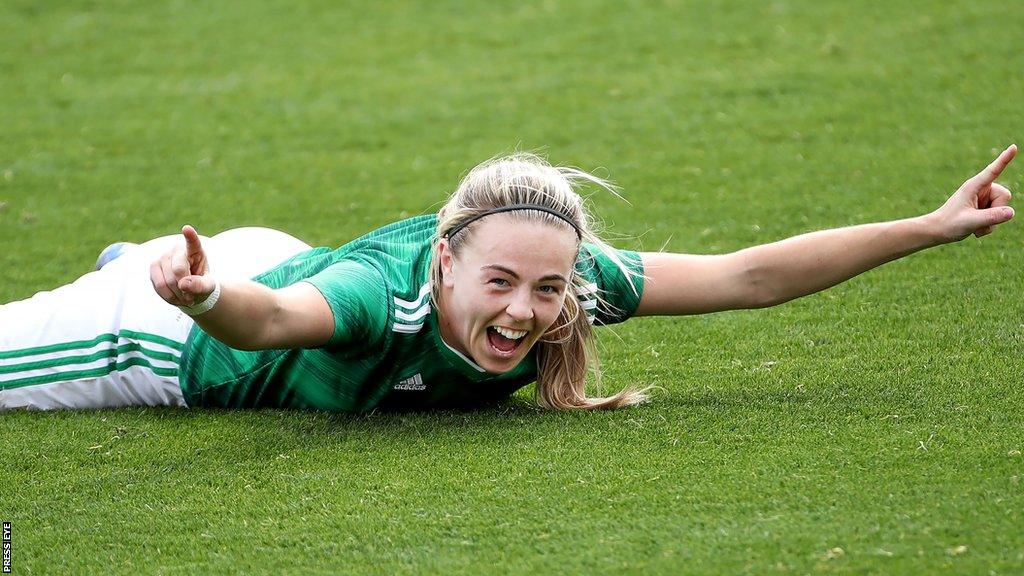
{"x":497,"y":290}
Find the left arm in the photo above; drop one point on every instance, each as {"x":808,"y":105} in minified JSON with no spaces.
{"x":774,"y":273}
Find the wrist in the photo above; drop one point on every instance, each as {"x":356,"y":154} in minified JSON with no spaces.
{"x":931,"y":229}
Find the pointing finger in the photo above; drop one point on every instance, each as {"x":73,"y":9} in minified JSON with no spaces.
{"x":192,"y":245}
{"x":993,"y":170}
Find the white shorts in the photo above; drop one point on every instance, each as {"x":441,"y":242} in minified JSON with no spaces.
{"x":107,"y":339}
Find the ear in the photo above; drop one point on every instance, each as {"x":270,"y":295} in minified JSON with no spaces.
{"x":447,"y":263}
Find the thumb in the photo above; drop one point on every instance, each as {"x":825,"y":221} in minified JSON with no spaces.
{"x":197,"y":285}
{"x":996,"y":215}
{"x":1002,"y":214}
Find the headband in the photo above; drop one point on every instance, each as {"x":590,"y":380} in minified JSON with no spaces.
{"x":510,"y":208}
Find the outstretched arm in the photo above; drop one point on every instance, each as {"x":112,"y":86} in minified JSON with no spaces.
{"x":247,"y":315}
{"x":774,"y":273}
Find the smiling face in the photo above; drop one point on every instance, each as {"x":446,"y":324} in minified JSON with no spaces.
{"x":505,"y":288}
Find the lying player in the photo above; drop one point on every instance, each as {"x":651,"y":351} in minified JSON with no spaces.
{"x":499,"y":289}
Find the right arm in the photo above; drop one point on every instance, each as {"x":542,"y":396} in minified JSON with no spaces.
{"x":248,"y":315}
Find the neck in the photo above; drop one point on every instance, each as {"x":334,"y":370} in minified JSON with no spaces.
{"x":444,"y":316}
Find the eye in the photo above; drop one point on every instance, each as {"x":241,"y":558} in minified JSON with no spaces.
{"x":549,"y":289}
{"x":498,"y":282}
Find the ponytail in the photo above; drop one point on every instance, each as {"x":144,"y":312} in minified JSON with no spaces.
{"x":566,"y":355}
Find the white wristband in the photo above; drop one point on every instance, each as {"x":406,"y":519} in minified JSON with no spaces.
{"x":204,"y":306}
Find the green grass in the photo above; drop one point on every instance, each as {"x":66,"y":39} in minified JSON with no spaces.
{"x":883,"y":417}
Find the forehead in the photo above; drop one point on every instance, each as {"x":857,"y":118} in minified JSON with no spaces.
{"x":531,"y":248}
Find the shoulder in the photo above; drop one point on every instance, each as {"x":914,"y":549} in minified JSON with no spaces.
{"x":610,"y":283}
{"x":410,"y":231}
{"x":380,"y":280}
{"x":357,"y":294}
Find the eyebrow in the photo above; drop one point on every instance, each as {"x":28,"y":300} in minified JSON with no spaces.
{"x":512,"y":273}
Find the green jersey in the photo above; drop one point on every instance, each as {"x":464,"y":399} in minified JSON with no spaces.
{"x":386,"y":351}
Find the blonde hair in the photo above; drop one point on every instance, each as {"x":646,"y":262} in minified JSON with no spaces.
{"x":567,"y":352}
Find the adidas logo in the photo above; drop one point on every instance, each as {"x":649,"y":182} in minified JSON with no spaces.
{"x":414,"y":383}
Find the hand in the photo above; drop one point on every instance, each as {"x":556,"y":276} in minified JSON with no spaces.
{"x":181,"y":275}
{"x":979,"y":205}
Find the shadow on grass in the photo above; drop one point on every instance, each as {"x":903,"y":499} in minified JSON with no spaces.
{"x":497,"y":416}
{"x":169,"y":440}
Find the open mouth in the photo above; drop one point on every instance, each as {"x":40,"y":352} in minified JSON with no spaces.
{"x":505,"y":340}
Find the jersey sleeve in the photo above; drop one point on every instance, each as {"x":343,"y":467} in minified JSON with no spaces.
{"x":358,"y":298}
{"x":609,"y":295}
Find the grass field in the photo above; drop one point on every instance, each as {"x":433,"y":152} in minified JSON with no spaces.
{"x":876,"y":428}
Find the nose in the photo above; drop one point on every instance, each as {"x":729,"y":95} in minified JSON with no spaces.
{"x":520,"y":308}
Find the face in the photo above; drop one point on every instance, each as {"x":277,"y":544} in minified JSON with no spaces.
{"x":505,"y":288}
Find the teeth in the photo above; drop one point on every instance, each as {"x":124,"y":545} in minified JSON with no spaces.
{"x":510,"y":334}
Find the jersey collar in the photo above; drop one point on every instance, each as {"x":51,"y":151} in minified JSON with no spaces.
{"x":465,"y":365}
